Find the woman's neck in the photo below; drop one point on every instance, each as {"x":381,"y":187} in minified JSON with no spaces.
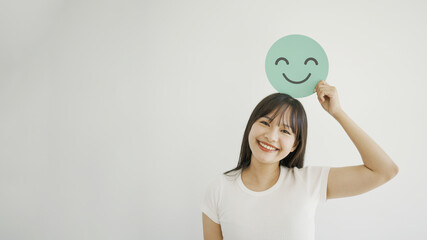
{"x":261,"y":175}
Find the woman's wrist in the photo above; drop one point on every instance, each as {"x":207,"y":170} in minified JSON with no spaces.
{"x":338,"y":115}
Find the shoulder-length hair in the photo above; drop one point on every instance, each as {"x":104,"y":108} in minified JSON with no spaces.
{"x":279,"y":103}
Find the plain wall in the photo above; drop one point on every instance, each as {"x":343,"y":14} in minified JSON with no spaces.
{"x":115,"y":115}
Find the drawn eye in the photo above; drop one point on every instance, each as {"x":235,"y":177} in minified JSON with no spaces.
{"x":312,"y":59}
{"x":282,"y":59}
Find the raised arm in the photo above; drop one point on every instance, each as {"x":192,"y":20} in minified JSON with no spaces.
{"x":378,"y":168}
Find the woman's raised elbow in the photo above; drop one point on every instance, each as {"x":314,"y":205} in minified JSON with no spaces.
{"x":393,"y":172}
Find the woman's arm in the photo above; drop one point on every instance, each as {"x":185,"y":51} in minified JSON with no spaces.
{"x":372,"y":155}
{"x":378,"y":167}
{"x":211,"y":230}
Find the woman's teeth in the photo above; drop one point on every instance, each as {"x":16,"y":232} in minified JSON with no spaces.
{"x":268,"y":147}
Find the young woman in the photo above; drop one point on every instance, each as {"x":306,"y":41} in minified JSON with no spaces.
{"x":270,"y":194}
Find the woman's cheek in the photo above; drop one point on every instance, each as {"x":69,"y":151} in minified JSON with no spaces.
{"x":288,"y":141}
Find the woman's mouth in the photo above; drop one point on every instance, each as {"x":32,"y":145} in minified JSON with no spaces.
{"x":265,"y":147}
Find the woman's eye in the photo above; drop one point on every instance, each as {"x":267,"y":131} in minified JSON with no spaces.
{"x":285,"y":131}
{"x":264,"y":122}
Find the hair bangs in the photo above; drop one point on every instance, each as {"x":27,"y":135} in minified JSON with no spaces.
{"x":292,"y":120}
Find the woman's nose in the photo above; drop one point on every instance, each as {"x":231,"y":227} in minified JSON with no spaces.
{"x":272,"y":134}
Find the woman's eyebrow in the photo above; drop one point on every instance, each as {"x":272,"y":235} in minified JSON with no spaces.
{"x":283,"y":124}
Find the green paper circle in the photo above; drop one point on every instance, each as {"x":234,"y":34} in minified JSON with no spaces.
{"x":291,"y":65}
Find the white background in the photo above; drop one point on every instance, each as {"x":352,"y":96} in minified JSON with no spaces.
{"x":115,"y":115}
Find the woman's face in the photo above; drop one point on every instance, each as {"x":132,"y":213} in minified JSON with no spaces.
{"x":271,"y":142}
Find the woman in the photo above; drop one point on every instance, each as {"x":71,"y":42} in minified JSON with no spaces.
{"x":270,"y":195}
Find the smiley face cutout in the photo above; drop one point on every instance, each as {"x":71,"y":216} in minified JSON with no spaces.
{"x":295,"y":64}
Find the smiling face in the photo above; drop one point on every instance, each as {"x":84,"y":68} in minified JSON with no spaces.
{"x":295,"y":64}
{"x":271,"y":141}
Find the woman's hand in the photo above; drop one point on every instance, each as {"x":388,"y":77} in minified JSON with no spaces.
{"x":328,"y":98}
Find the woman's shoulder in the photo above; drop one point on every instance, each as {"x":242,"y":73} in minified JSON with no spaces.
{"x":306,"y":169}
{"x":307,"y":172}
{"x":218,"y":183}
{"x":230,"y":177}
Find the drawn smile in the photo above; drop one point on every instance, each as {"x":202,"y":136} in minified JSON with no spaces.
{"x":295,"y":82}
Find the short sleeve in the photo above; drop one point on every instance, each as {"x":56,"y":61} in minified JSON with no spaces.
{"x":210,"y":203}
{"x":324,"y":185}
{"x":317,"y":182}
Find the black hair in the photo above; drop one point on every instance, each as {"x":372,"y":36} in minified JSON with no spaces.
{"x":278,"y":103}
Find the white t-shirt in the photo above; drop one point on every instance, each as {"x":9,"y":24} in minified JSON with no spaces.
{"x":286,"y":211}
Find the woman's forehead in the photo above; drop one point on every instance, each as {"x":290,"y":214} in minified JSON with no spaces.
{"x":283,"y":111}
{"x":284,"y":115}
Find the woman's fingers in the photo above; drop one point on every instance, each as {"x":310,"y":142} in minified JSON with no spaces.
{"x":328,"y":97}
{"x":321,"y":95}
{"x":323,"y":89}
{"x":320,"y":84}
{"x":320,"y":89}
